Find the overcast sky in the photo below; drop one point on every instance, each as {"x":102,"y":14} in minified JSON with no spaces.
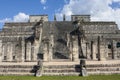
{"x":19,"y":10}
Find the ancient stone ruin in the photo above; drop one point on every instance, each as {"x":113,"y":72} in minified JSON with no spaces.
{"x":59,"y":46}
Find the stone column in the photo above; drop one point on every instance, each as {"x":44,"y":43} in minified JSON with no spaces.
{"x":28,"y":52}
{"x":71,"y":51}
{"x":102,"y":51}
{"x":83,"y":44}
{"x":68,"y":40}
{"x":69,"y":45}
{"x":114,"y":49}
{"x":88,"y":52}
{"x":75,"y":49}
{"x":9,"y":51}
{"x":32,"y":53}
{"x":1,"y":51}
{"x":94,"y":51}
{"x":45,"y":52}
{"x":51,"y":46}
{"x":23,"y":50}
{"x":36,"y":50}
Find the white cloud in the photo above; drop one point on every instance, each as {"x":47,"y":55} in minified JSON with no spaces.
{"x":43,"y":1}
{"x":21,"y":17}
{"x":98,"y":9}
{"x":5,"y":20}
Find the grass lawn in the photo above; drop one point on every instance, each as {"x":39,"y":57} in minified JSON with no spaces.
{"x":93,"y":77}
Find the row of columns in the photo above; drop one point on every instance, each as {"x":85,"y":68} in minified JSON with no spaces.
{"x":98,"y":50}
{"x":95,"y":50}
{"x":10,"y":52}
{"x":31,"y":52}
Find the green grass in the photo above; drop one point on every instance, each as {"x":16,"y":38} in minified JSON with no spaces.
{"x":93,"y":77}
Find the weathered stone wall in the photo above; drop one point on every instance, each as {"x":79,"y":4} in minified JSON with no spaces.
{"x":85,"y":18}
{"x":37,"y":18}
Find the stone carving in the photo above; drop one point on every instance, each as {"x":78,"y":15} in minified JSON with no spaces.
{"x":39,"y":68}
{"x":83,"y":68}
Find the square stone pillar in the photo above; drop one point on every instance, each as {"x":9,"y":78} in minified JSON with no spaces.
{"x":94,"y":51}
{"x":9,"y":51}
{"x":68,"y":40}
{"x":71,"y":51}
{"x":28,"y":52}
{"x":36,"y":50}
{"x":4,"y":51}
{"x":45,"y":52}
{"x":83,"y":44}
{"x":1,"y":53}
{"x":102,"y":56}
{"x":50,"y":53}
{"x":23,"y":50}
{"x":114,"y":43}
{"x":75,"y":49}
{"x":51,"y":46}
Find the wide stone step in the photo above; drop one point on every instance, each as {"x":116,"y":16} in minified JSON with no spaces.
{"x":17,"y":69}
{"x":61,"y":66}
{"x":59,"y":71}
{"x":106,"y":68}
{"x":103,"y":65}
{"x":102,"y":72}
{"x":22,"y":66}
{"x":15,"y":73}
{"x":65,"y":74}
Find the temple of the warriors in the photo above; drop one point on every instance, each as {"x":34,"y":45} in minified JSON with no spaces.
{"x":43,"y":47}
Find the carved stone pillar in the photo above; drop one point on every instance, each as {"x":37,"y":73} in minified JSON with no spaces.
{"x":94,"y":50}
{"x":9,"y":51}
{"x":1,"y":50}
{"x":69,"y":45}
{"x":114,"y":49}
{"x":32,"y":53}
{"x":102,"y":49}
{"x":45,"y":51}
{"x":28,"y":52}
{"x":75,"y":49}
{"x":23,"y":50}
{"x":36,"y":50}
{"x":68,"y":40}
{"x":83,"y":44}
{"x":71,"y":51}
{"x":51,"y":46}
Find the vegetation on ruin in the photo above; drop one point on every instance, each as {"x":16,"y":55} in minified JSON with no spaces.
{"x":93,"y":77}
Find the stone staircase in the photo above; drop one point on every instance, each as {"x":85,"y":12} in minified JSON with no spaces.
{"x":17,"y":69}
{"x":98,"y":68}
{"x":49,"y":68}
{"x":61,"y":68}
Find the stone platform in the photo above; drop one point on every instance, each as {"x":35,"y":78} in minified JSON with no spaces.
{"x":60,"y":68}
{"x":103,"y":67}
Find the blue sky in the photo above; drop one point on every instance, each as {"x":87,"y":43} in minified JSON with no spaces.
{"x":10,"y":8}
{"x":18,"y":10}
